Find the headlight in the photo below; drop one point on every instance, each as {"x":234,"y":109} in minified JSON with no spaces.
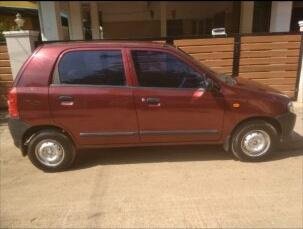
{"x":290,"y":107}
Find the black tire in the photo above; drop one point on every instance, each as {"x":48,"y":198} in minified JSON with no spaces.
{"x":64,"y":141}
{"x":238,"y":138}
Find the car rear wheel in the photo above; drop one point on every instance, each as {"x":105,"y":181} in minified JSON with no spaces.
{"x":51,"y":151}
{"x":254,"y":141}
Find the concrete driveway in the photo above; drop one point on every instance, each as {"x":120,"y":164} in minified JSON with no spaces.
{"x":159,"y":187}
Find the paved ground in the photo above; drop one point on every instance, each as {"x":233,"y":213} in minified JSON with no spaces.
{"x":154,"y":187}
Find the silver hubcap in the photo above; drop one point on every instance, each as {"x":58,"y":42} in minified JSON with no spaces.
{"x":255,"y":143}
{"x":49,"y":152}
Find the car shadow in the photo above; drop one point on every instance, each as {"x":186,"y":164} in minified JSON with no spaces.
{"x":158,"y":154}
{"x":292,"y":147}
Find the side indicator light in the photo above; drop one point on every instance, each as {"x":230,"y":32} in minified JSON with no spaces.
{"x":236,"y":105}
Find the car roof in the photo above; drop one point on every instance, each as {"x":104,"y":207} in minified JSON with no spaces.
{"x":106,"y":43}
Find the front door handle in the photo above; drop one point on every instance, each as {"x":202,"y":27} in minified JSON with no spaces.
{"x":66,"y":100}
{"x":152,"y":101}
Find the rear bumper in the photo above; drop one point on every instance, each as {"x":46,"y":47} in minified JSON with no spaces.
{"x":287,"y":122}
{"x":17,"y":129}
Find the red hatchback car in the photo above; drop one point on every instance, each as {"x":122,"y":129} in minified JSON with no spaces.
{"x":69,"y":96}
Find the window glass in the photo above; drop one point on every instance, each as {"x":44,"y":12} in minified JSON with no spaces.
{"x":92,"y":67}
{"x":160,"y":69}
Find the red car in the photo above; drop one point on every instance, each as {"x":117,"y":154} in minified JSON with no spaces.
{"x":69,"y":96}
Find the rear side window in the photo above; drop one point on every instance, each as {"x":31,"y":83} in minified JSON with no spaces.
{"x":92,"y":68}
{"x":161,"y":69}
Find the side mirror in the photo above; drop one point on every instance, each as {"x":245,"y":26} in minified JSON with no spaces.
{"x":212,"y":86}
{"x":216,"y":89}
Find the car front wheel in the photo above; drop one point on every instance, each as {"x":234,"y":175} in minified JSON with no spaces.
{"x":254,"y":141}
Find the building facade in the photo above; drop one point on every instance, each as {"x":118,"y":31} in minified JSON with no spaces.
{"x":149,"y":19}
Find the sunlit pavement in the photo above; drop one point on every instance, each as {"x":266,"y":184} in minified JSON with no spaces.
{"x":188,"y":186}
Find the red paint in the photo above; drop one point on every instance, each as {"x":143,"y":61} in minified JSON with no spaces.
{"x":124,"y":109}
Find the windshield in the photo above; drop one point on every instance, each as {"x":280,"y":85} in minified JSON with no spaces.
{"x":220,"y":76}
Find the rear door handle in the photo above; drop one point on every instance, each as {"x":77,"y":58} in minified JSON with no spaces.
{"x":66,"y":100}
{"x":152,"y":101}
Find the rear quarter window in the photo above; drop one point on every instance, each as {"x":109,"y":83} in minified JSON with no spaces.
{"x":36,"y":71}
{"x":93,"y":67}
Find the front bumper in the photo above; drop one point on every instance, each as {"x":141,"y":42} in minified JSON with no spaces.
{"x":287,"y":122}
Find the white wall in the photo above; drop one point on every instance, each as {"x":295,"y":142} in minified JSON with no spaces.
{"x":280,"y":16}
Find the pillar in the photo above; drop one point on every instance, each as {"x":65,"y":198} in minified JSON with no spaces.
{"x":95,"y":20}
{"x":163,"y":18}
{"x":246,"y":18}
{"x":50,"y":22}
{"x":20,"y":45}
{"x":76,"y":32}
{"x":280,"y":16}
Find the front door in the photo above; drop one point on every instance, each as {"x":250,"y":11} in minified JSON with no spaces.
{"x":171,"y":100}
{"x":90,"y":98}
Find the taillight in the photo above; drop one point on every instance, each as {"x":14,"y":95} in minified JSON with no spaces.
{"x":13,"y":103}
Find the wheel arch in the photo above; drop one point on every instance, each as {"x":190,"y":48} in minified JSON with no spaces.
{"x":267,"y":119}
{"x":29,"y":133}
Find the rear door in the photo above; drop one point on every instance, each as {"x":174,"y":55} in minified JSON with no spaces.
{"x":171,"y":100}
{"x":90,"y":97}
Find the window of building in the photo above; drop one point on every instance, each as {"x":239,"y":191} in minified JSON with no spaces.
{"x":64,"y":20}
{"x":174,"y":28}
{"x":194,"y":30}
{"x":92,"y":68}
{"x":86,"y":21}
{"x":296,"y":16}
{"x":219,"y":20}
{"x":65,"y":27}
{"x":261,"y":19}
{"x":202,"y":27}
{"x":161,"y":69}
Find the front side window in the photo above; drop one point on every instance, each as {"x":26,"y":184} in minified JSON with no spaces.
{"x":92,"y":68}
{"x":161,"y":69}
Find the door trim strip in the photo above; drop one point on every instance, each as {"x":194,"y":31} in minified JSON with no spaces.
{"x":148,"y":132}
{"x":179,"y":132}
{"x":109,"y":134}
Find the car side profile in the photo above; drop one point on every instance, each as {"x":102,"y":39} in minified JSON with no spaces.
{"x":70,"y":96}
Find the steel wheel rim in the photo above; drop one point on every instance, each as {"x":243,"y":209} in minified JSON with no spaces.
{"x":49,"y":152}
{"x":255,"y":143}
